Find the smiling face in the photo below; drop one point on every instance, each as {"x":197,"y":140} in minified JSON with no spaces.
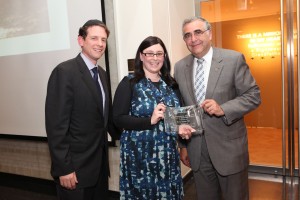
{"x":198,"y":44}
{"x":152,"y":63}
{"x":93,"y":46}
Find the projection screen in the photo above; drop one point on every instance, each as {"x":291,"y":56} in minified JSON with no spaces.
{"x":35,"y":36}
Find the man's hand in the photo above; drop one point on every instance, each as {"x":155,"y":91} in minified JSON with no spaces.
{"x":185,"y":131}
{"x":184,"y":157}
{"x":211,"y":107}
{"x":68,"y":181}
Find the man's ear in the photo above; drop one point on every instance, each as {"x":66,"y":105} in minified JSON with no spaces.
{"x":80,"y":40}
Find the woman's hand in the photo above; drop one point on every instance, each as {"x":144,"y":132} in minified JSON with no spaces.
{"x":158,"y":113}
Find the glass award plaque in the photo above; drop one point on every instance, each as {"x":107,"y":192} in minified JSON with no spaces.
{"x":191,"y":115}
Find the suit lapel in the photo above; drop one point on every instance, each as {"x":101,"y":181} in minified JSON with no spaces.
{"x":189,"y":76}
{"x":106,"y":93}
{"x":88,"y":80}
{"x":214,"y":73}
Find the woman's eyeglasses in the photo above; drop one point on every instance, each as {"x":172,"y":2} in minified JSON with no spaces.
{"x":158,"y":54}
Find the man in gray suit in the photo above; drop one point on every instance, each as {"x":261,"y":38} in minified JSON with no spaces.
{"x":219,"y":158}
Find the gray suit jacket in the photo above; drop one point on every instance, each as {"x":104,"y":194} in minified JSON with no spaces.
{"x":232,"y":86}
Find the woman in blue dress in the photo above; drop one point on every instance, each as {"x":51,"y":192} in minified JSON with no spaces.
{"x":149,"y":163}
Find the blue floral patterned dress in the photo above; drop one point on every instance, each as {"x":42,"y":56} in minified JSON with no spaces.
{"x":150,"y":164}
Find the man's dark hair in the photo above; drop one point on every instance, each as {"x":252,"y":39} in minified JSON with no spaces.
{"x":93,"y":22}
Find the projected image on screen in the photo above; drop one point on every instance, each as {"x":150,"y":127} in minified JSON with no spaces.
{"x":19,"y":18}
{"x":23,"y":23}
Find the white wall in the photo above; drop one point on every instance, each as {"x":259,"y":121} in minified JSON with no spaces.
{"x":133,"y":20}
{"x":179,"y":11}
{"x":137,"y":19}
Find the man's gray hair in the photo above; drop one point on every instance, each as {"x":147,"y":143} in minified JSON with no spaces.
{"x":191,"y":19}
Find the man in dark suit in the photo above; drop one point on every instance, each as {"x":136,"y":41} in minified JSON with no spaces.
{"x":219,"y":158}
{"x":77,"y":112}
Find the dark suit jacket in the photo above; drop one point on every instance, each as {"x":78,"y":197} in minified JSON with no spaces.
{"x":76,"y":127}
{"x":232,"y":86}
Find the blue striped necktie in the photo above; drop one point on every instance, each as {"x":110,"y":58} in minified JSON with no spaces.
{"x":199,"y":81}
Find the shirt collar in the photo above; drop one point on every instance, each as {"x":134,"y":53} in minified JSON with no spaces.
{"x":88,"y":63}
{"x":207,"y":57}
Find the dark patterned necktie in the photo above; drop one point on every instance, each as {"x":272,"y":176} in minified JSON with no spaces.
{"x":95,"y":77}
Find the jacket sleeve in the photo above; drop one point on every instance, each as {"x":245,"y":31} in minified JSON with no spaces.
{"x":58,"y":110}
{"x":121,"y":109}
{"x":247,"y":93}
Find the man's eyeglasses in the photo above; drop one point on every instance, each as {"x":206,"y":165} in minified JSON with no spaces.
{"x":158,"y":54}
{"x":197,"y":34}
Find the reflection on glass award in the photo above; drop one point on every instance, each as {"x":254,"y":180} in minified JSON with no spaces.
{"x":191,"y":115}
